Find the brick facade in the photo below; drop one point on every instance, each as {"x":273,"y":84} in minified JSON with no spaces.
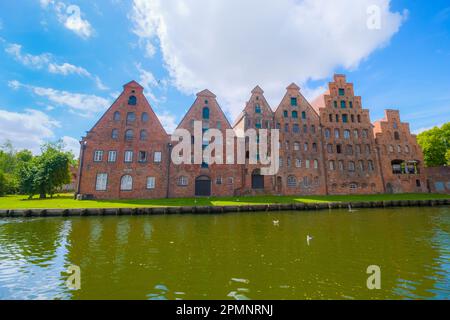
{"x":130,"y":114}
{"x":402,"y":165}
{"x":438,"y":179}
{"x":327,"y":147}
{"x":349,"y":142}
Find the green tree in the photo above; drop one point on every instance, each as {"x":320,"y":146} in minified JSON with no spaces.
{"x":435,"y":144}
{"x":3,"y":185}
{"x":46,"y":173}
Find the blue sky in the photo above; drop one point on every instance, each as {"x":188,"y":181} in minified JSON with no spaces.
{"x":60,"y":70}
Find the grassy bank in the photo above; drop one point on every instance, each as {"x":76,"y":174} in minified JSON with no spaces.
{"x":66,"y":201}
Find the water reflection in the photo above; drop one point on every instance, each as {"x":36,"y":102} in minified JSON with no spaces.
{"x":235,"y":256}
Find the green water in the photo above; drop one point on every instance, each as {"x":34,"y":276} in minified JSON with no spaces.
{"x":233,"y":256}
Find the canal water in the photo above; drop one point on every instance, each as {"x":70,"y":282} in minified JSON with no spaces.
{"x":230,"y":256}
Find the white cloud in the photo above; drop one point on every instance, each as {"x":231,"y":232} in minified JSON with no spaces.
{"x":27,"y":130}
{"x":29,"y":60}
{"x":48,"y":61}
{"x":168,"y":121}
{"x":81,"y":104}
{"x":229,"y":46}
{"x":66,"y":69}
{"x":71,"y":17}
{"x":100,"y":85}
{"x":72,"y":145}
{"x":150,"y":84}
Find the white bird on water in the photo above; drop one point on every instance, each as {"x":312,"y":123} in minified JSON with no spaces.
{"x":308,"y":239}
{"x":350,"y":209}
{"x":276,"y":222}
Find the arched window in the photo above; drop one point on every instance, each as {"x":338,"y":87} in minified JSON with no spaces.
{"x":316,"y":164}
{"x":117,"y":116}
{"x":349,"y":149}
{"x":129,"y":135}
{"x":257,"y":109}
{"x":353,"y":186}
{"x":347,"y":134}
{"x":327,"y":133}
{"x":396,"y":135}
{"x":332,"y":165}
{"x":144,"y":117}
{"x":355,"y":133}
{"x":406,"y":149}
{"x":303,"y":115}
{"x":132,"y":101}
{"x":143,"y":135}
{"x":330,"y":148}
{"x":294,"y":114}
{"x":351,"y":166}
{"x":126,"y":183}
{"x":336,"y":133}
{"x":292,"y":181}
{"x":131,"y":117}
{"x":359,"y":118}
{"x":296,"y":146}
{"x":205,"y":113}
{"x":115,"y":134}
{"x":314,"y":146}
{"x":361,"y":165}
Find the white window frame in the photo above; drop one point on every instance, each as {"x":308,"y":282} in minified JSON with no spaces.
{"x":126,"y":185}
{"x":101,"y":185}
{"x":98,"y":156}
{"x":112,"y":156}
{"x":157,"y":157}
{"x":128,"y":157}
{"x":151,"y":183}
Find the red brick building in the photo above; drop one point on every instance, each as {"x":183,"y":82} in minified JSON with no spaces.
{"x":349,"y":142}
{"x":301,"y":159}
{"x":327,"y":147}
{"x":402,"y":159}
{"x":125,"y":154}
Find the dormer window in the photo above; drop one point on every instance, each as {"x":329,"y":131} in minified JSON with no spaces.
{"x":132,"y":101}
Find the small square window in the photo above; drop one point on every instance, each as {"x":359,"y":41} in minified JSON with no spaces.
{"x":293,"y":101}
{"x":342,"y":92}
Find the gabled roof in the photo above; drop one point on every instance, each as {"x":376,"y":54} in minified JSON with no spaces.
{"x":293,"y":86}
{"x":257,"y":90}
{"x":133,"y":84}
{"x":206,"y":93}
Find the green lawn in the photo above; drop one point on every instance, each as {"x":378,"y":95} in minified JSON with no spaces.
{"x":66,"y":201}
